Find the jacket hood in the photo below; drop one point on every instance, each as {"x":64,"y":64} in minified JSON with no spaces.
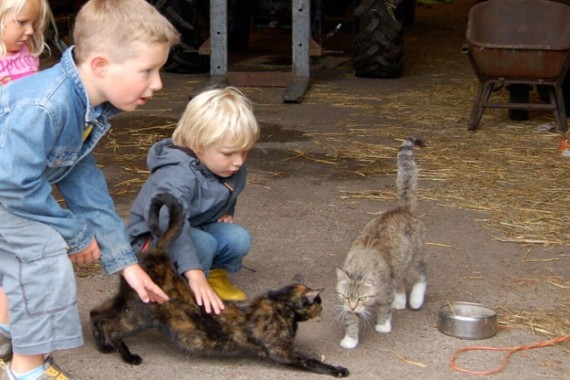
{"x":164,"y":153}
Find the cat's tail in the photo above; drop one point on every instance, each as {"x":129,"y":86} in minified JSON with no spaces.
{"x":407,"y":181}
{"x":175,"y":223}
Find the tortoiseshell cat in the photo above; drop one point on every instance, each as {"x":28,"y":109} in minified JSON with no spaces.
{"x":387,"y":253}
{"x":264,"y":327}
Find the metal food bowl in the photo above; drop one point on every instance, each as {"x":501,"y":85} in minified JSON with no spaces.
{"x":466,"y":320}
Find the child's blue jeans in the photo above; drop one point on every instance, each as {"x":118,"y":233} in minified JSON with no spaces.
{"x":221,"y":245}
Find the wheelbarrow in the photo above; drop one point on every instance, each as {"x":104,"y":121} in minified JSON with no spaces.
{"x":519,"y":42}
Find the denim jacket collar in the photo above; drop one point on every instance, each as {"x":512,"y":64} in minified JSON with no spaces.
{"x":92,"y":113}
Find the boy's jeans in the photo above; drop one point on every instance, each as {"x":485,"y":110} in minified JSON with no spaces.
{"x":221,"y":245}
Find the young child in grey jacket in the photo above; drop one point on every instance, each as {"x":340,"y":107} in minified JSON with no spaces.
{"x":203,"y":166}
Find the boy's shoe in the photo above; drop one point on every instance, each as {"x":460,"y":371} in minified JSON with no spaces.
{"x":218,"y":280}
{"x":5,"y":346}
{"x":51,"y":372}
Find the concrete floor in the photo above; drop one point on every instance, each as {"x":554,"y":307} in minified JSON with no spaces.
{"x":300,"y":223}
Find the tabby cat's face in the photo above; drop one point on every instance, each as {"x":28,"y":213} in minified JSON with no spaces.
{"x":356,"y":293}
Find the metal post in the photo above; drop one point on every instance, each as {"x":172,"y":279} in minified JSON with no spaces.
{"x":300,"y":51}
{"x":219,"y":38}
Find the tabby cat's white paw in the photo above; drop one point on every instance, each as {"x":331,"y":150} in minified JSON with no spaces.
{"x":399,"y":301}
{"x":417,"y":295}
{"x":385,"y":327}
{"x":348,"y":342}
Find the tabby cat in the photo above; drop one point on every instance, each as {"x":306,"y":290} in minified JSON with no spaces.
{"x":264,"y":327}
{"x":387,"y":254}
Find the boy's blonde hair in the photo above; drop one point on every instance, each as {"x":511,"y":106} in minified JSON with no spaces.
{"x":214,"y":115}
{"x":118,"y":28}
{"x":36,"y":43}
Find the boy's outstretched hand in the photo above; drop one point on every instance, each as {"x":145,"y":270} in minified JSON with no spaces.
{"x":141,"y":282}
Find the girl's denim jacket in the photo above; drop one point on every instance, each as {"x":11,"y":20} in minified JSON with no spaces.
{"x":42,"y":122}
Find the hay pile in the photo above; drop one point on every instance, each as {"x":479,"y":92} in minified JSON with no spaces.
{"x":549,"y":324}
{"x":511,"y":171}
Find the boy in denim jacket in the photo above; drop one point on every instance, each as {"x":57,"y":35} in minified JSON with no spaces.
{"x":50,"y":123}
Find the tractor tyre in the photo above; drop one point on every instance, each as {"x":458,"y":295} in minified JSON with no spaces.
{"x":378,"y":41}
{"x":191,"y":19}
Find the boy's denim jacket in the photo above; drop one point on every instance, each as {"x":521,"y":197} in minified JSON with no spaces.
{"x":42,"y":119}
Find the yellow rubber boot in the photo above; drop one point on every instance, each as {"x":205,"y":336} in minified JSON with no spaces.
{"x":218,"y":280}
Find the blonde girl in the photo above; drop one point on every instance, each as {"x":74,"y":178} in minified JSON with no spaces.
{"x":22,"y":27}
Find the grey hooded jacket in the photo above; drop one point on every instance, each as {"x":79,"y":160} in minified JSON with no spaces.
{"x":204,"y":196}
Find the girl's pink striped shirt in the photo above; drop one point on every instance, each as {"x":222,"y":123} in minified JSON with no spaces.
{"x":18,"y":65}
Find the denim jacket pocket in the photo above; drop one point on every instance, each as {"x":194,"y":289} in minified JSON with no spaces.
{"x":62,"y":156}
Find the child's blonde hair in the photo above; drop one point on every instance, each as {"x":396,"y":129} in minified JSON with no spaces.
{"x":214,"y":115}
{"x":118,"y":27}
{"x":36,"y":43}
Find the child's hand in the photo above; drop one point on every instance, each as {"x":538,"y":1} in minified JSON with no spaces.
{"x":87,"y":255}
{"x":141,"y":282}
{"x":226,"y":219}
{"x":203,"y":292}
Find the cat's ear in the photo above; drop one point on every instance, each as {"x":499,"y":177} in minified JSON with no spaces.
{"x":298,"y":279}
{"x":313,"y":294}
{"x":341,"y":275}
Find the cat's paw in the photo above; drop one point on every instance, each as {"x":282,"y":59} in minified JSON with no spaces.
{"x":417,"y":295}
{"x":384,"y":328}
{"x":132,"y":359}
{"x":416,"y":303}
{"x":348,"y":342}
{"x":342,"y":372}
{"x":106,"y":348}
{"x":399,"y":301}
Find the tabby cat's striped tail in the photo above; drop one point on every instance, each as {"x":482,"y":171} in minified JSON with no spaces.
{"x":407,"y":181}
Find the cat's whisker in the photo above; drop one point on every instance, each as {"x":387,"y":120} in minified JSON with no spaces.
{"x":368,"y":316}
{"x":340,"y":316}
{"x":339,"y":313}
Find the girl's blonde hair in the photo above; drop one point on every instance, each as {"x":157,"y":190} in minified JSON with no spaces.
{"x":214,"y":115}
{"x":36,"y":43}
{"x":119,"y":27}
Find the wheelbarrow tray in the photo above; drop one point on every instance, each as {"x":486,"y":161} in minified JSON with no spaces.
{"x":517,"y":63}
{"x":533,"y":44}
